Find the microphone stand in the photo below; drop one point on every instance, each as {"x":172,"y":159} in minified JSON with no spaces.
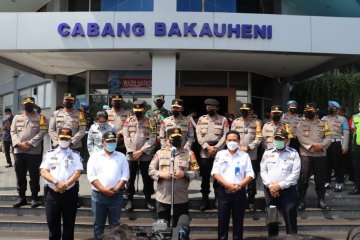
{"x":172,"y":170}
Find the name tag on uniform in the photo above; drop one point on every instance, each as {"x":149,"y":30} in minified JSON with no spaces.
{"x":53,"y":166}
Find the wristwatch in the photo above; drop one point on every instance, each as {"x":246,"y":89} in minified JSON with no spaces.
{"x":239,"y":187}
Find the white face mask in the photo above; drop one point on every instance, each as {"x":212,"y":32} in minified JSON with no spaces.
{"x":232,"y":146}
{"x":64,"y":144}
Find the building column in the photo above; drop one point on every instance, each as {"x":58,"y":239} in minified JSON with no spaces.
{"x":15,"y":109}
{"x":164,"y":76}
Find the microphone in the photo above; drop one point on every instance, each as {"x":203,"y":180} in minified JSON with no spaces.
{"x":173,"y":150}
{"x":182,"y":230}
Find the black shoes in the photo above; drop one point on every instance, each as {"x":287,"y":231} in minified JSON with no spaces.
{"x":301,"y":206}
{"x":129,"y":207}
{"x":20,"y":202}
{"x":149,"y":206}
{"x":8,"y":166}
{"x":323,"y":205}
{"x":204,"y":205}
{"x":355,"y":191}
{"x":35,"y":203}
{"x":252,"y":207}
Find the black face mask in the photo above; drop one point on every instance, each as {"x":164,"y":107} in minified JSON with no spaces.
{"x":276,"y":118}
{"x":244,"y":113}
{"x":29,"y":108}
{"x":293,"y":110}
{"x":68,"y":104}
{"x":138,"y":115}
{"x":176,"y":142}
{"x":310,"y":115}
{"x":211,"y":112}
{"x":117,"y":105}
{"x":331,"y":111}
{"x":159,"y":104}
{"x":175,"y":113}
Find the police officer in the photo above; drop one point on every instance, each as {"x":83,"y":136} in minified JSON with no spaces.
{"x":356,"y":152}
{"x":292,"y":118}
{"x":232,"y":170}
{"x":280,"y":170}
{"x":270,"y":127}
{"x":68,"y":117}
{"x":84,"y":108}
{"x":339,"y":144}
{"x":315,"y":137}
{"x":210,"y":131}
{"x":27,"y":131}
{"x":117,"y":116}
{"x":185,"y":169}
{"x":97,"y":130}
{"x":61,"y":168}
{"x":177,"y":120}
{"x":250,"y":132}
{"x":139,"y":141}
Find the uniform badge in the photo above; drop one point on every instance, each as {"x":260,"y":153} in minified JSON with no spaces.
{"x":53,"y":166}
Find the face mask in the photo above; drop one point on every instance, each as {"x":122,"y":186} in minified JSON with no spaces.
{"x":64,"y":144}
{"x":293,"y":110}
{"x":279,"y":144}
{"x":331,"y":111}
{"x":29,"y":108}
{"x":102,"y":125}
{"x":117,"y":105}
{"x":110,"y":147}
{"x":276,"y":118}
{"x":159,"y":104}
{"x":244,"y":114}
{"x":176,"y":142}
{"x":211,"y":112}
{"x":310,"y":115}
{"x":138,"y":115}
{"x":68,"y":104}
{"x":232,"y":146}
{"x":175,"y":113}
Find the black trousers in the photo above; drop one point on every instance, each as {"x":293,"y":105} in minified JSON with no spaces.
{"x":25,"y":162}
{"x":148,"y":182}
{"x":61,"y":205}
{"x":287,"y":203}
{"x":251,"y":188}
{"x":309,"y":166}
{"x":335,"y":160}
{"x":164,"y":211}
{"x":234,"y":204}
{"x":7,"y":148}
{"x":206,"y":165}
{"x":294,"y":143}
{"x":356,"y":164}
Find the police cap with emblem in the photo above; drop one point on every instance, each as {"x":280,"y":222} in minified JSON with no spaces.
{"x":65,"y":133}
{"x":334,"y":104}
{"x":159,"y":97}
{"x":116,"y":97}
{"x":69,"y":96}
{"x":138,"y":106}
{"x":29,"y":100}
{"x":174,"y":132}
{"x":109,"y":136}
{"x":276,"y":109}
{"x":211,"y":102}
{"x":310,"y":107}
{"x":281,"y":133}
{"x":246,"y":106}
{"x":177,"y":103}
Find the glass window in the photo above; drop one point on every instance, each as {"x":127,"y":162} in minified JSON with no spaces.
{"x":78,"y":5}
{"x":238,"y":80}
{"x":38,"y":93}
{"x":202,"y":78}
{"x":96,"y":103}
{"x":77,"y":84}
{"x":8,"y":101}
{"x":127,"y":5}
{"x":98,"y":82}
{"x":206,"y":5}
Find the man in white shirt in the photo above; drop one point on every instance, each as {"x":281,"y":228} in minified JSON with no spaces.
{"x":233,"y":171}
{"x":108,"y":172}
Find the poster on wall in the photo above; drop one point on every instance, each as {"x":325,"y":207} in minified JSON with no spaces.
{"x":129,"y":82}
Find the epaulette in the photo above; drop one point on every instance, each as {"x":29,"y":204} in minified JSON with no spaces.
{"x":270,"y":149}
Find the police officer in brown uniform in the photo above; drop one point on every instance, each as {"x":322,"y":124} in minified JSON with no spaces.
{"x":117,"y":116}
{"x":250,"y":132}
{"x":179,"y":121}
{"x":68,"y":117}
{"x":185,"y":170}
{"x":292,"y":118}
{"x":210,"y":131}
{"x":139,"y":142}
{"x":27,"y":131}
{"x":315,"y":137}
{"x":270,"y":128}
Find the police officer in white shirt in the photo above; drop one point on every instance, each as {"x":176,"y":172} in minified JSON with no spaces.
{"x":233,"y":171}
{"x":61,"y":168}
{"x":108,"y":172}
{"x":280,"y":170}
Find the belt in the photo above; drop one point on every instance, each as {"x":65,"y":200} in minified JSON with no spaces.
{"x":50,"y":189}
{"x":336,"y":140}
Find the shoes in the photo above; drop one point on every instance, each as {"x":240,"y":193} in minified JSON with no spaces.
{"x":20,"y":202}
{"x":301,"y":206}
{"x":149,"y":206}
{"x":205,"y":204}
{"x":9,"y":165}
{"x":323,"y":205}
{"x":35,"y":203}
{"x":355,"y":191}
{"x":129,"y":207}
{"x":339,"y":187}
{"x":327,"y":185}
{"x":252,"y":207}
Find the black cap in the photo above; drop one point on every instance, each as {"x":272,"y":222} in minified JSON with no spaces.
{"x":29,"y":100}
{"x":116,"y":97}
{"x":109,"y":136}
{"x":276,"y":109}
{"x":138,"y":106}
{"x":211,"y":102}
{"x":177,"y":103}
{"x":65,"y":133}
{"x":174,"y":132}
{"x":246,"y":106}
{"x":69,"y":96}
{"x":281,"y":133}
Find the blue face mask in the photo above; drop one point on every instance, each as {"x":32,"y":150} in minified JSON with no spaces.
{"x":110,"y":147}
{"x":279,"y":144}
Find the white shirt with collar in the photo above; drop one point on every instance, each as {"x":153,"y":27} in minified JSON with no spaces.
{"x":61,"y":163}
{"x":281,"y":167}
{"x":109,"y":170}
{"x":225,"y":164}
